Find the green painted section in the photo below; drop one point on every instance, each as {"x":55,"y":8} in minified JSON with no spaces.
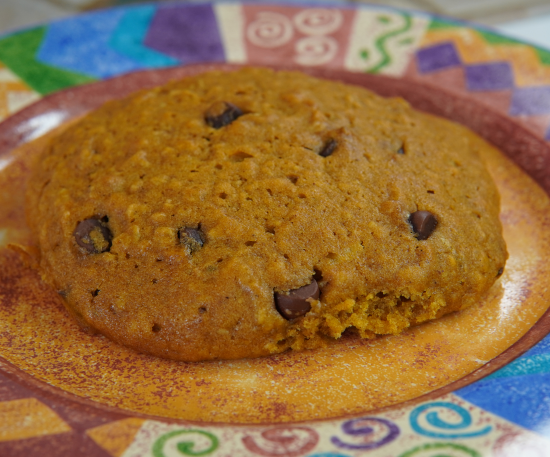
{"x":544,"y":55}
{"x":438,"y":24}
{"x":381,"y":42}
{"x":18,"y":53}
{"x":434,"y":450}
{"x":495,"y":38}
{"x":186,"y":447}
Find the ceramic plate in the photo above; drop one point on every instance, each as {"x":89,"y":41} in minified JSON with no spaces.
{"x":497,"y":86}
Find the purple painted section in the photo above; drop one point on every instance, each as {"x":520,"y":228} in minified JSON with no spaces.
{"x":188,"y":33}
{"x":530,"y":101}
{"x":547,"y":136}
{"x":489,"y":76}
{"x":437,"y":58}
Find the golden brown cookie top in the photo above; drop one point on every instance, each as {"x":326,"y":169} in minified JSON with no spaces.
{"x":178,"y":220}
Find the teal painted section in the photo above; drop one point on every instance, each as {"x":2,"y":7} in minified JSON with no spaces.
{"x":536,"y":364}
{"x":129,"y":36}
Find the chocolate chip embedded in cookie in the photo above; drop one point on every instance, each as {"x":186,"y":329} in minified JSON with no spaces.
{"x":93,"y":235}
{"x":221,"y":114}
{"x":191,"y":238}
{"x":328,"y":148}
{"x":297,"y":302}
{"x":423,"y":224}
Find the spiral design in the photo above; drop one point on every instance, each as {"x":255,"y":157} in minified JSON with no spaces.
{"x":194,"y":443}
{"x":440,"y":428}
{"x":318,"y":21}
{"x":270,"y":30}
{"x":282,"y":441}
{"x":441,"y":450}
{"x":373,"y":431}
{"x":315,"y":50}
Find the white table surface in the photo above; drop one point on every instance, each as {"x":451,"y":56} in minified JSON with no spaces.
{"x":535,"y":30}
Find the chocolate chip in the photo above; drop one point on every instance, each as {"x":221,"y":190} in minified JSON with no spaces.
{"x":500,"y":271}
{"x":192,"y":238}
{"x":221,"y":114}
{"x":401,"y":150}
{"x":328,"y":148}
{"x":423,"y":224}
{"x":93,"y":235}
{"x":295,"y":304}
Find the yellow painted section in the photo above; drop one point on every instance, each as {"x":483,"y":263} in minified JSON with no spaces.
{"x":14,"y":93}
{"x":115,"y":437}
{"x":28,"y":418}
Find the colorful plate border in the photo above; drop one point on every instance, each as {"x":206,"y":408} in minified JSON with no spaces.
{"x":505,"y":413}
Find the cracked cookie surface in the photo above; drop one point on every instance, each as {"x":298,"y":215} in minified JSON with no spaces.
{"x":188,"y":221}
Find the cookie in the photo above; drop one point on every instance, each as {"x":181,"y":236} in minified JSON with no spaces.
{"x":240,"y":214}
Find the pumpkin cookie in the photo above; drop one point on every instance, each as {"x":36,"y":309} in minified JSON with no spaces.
{"x":240,"y":214}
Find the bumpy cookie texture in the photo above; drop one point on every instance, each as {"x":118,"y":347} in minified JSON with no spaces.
{"x":240,"y":214}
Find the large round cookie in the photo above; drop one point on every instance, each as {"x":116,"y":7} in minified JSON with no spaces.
{"x":177,"y":221}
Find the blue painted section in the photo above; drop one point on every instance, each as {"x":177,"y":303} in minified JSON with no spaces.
{"x":129,"y":36}
{"x":523,"y":400}
{"x":518,"y":392}
{"x":81,"y":44}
